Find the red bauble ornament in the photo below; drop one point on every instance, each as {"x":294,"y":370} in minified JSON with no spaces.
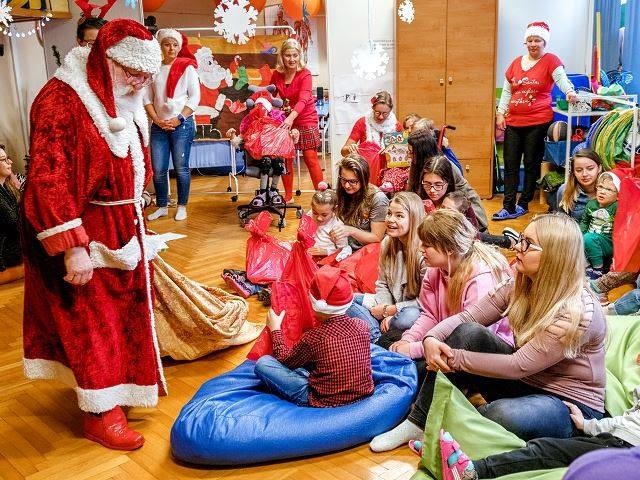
{"x":151,"y":5}
{"x":293,"y":8}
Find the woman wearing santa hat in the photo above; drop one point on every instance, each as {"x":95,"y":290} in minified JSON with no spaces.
{"x":88,"y":312}
{"x":293,"y":83}
{"x":170,"y":102}
{"x":524,"y":112}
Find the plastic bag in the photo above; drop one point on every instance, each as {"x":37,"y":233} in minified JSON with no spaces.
{"x":265,"y":138}
{"x":370,"y":151}
{"x":266,"y":255}
{"x":626,"y":226}
{"x":291,"y":293}
{"x":361,"y":267}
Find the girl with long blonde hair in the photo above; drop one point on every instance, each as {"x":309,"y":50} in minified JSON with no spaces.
{"x":395,"y":303}
{"x":558,"y":358}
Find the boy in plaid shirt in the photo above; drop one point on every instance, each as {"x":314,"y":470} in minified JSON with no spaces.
{"x":331,"y":364}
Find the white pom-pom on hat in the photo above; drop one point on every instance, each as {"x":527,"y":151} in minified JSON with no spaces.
{"x":117,"y":124}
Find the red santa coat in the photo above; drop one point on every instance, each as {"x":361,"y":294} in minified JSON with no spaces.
{"x":99,"y":337}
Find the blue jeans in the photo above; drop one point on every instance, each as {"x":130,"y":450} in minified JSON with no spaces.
{"x":178,"y":144}
{"x":292,"y":385}
{"x":629,"y":303}
{"x":402,"y":320}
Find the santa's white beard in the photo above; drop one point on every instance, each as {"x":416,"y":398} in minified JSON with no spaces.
{"x":127,"y":102}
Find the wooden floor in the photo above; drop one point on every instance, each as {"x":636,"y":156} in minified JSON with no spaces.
{"x":40,"y":423}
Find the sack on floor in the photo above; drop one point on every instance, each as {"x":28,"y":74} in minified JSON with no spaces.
{"x":626,"y":227}
{"x":290,"y":293}
{"x":266,"y":255}
{"x":362,"y":267}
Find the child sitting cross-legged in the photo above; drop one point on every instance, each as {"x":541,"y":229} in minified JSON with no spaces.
{"x":323,"y":206}
{"x":597,"y":224}
{"x":331,"y":364}
{"x":543,"y":453}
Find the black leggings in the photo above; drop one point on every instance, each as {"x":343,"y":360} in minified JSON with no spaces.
{"x":519,"y":141}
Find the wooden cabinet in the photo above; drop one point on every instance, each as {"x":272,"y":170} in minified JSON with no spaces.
{"x":445,"y":70}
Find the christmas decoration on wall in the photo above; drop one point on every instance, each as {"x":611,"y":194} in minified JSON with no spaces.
{"x":151,"y":5}
{"x":235,"y":20}
{"x":5,"y":15}
{"x":406,"y":11}
{"x":298,"y":9}
{"x":369,"y":60}
{"x":88,"y":9}
{"x":10,"y":30}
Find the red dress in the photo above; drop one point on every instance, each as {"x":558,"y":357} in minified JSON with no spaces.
{"x":99,"y":337}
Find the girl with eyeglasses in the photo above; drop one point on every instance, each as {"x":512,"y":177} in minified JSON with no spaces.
{"x":373,"y":126}
{"x":559,"y":331}
{"x":361,"y":206}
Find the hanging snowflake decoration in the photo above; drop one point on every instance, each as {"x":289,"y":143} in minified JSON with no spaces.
{"x":5,"y":16}
{"x":236,"y":20}
{"x":131,"y":3}
{"x":406,"y":11}
{"x":370,"y":61}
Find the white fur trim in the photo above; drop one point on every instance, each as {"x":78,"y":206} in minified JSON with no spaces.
{"x":169,"y":33}
{"x":74,"y":73}
{"x":321,"y":306}
{"x":132,"y":52}
{"x":375,"y":130}
{"x":263,"y":101}
{"x":50,"y":232}
{"x":537,"y":31}
{"x":94,"y":401}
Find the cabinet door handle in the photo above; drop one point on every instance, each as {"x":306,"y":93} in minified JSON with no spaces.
{"x":450,"y":80}
{"x":442,"y":82}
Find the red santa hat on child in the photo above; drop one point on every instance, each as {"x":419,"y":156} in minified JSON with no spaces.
{"x":128,"y":43}
{"x":330,"y":291}
{"x":538,"y":29}
{"x":169,"y":33}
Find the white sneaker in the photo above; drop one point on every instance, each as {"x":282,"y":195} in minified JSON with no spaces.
{"x":160,"y":212}
{"x":181,"y":214}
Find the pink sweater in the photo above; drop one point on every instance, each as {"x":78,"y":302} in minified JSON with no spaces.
{"x":433,"y":305}
{"x":540,"y":362}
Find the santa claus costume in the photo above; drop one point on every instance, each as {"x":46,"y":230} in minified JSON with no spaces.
{"x":89,"y":164}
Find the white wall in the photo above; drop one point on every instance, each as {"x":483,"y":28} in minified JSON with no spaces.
{"x":570,"y":22}
{"x":347,"y":30}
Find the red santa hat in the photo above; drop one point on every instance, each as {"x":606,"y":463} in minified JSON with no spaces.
{"x":330,"y":291}
{"x":128,"y":43}
{"x":184,"y":59}
{"x":538,"y":29}
{"x":169,"y":33}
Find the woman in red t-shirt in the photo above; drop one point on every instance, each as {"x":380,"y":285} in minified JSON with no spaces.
{"x":293,"y":83}
{"x":524,"y":112}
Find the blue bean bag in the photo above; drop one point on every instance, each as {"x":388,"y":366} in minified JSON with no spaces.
{"x":234,"y":420}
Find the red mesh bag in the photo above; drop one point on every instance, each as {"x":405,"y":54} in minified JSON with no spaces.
{"x":290,"y":293}
{"x":266,"y":255}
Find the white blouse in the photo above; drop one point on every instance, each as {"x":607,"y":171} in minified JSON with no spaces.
{"x":187,"y":93}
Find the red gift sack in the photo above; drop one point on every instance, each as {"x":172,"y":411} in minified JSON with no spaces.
{"x":291,"y":293}
{"x":265,"y":137}
{"x":266,"y":255}
{"x":370,"y":151}
{"x":626,"y":227}
{"x":361,"y":267}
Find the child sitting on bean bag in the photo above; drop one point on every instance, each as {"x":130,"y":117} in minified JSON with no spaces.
{"x":331,"y":364}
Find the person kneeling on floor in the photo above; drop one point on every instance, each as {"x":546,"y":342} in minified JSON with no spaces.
{"x":331,"y":364}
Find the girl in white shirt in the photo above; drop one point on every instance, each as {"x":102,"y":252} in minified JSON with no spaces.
{"x":170,"y":102}
{"x":323,"y":204}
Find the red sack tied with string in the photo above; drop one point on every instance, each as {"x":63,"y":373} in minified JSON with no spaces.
{"x":361,"y":267}
{"x":266,"y":255}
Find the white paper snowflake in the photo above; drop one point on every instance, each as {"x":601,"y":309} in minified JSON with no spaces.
{"x":370,"y":61}
{"x":406,"y":11}
{"x":131,"y":3}
{"x":5,"y":16}
{"x":236,"y":20}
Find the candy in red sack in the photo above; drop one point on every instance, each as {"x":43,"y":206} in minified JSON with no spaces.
{"x":291,"y":293}
{"x":266,"y":255}
{"x":371,"y":152}
{"x":361,"y":266}
{"x":626,"y":227}
{"x":266,"y":138}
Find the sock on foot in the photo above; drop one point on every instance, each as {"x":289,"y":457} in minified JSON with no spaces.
{"x":181,"y":214}
{"x":398,"y":436}
{"x":160,"y":212}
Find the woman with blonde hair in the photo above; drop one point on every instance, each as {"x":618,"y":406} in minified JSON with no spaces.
{"x":559,"y":328}
{"x":395,"y":303}
{"x":361,"y":206}
{"x":293,"y":84}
